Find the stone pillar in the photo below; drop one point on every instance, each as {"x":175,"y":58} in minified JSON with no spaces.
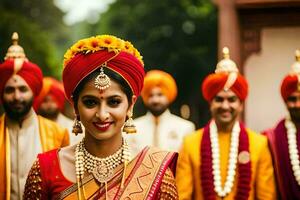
{"x":229,"y":30}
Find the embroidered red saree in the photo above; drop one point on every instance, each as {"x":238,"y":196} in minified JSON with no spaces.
{"x":149,"y":176}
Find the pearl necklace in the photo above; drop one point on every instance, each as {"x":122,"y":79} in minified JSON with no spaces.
{"x":293,"y":150}
{"x":222,"y":192}
{"x":101,"y":168}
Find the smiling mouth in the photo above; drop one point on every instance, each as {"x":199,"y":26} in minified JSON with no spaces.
{"x":102,"y":127}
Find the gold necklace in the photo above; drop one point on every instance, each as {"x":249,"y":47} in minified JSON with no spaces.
{"x":102,"y":169}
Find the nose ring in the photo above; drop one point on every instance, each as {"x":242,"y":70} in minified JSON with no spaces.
{"x":97,"y":115}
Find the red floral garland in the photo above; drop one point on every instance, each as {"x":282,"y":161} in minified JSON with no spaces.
{"x":244,"y":170}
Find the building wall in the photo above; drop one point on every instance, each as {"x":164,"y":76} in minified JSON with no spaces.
{"x":265,"y":71}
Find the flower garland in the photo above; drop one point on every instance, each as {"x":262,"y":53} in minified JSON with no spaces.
{"x":292,"y":146}
{"x":101,"y":42}
{"x":210,"y":163}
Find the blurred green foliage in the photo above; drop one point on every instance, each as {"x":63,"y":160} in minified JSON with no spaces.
{"x":179,"y":37}
{"x":41,"y":31}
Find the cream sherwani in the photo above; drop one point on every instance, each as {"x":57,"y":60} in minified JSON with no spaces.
{"x":24,"y":146}
{"x":19,"y":146}
{"x":166,"y":132}
{"x":67,"y":123}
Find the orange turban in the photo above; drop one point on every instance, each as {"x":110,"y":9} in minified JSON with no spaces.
{"x":226,"y":76}
{"x":214,"y":83}
{"x":88,"y":55}
{"x":161,"y":79}
{"x":55,"y":89}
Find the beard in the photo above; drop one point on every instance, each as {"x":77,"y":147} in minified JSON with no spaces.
{"x":49,"y":114}
{"x":157,"y":109}
{"x":17,"y":110}
{"x":295,"y":114}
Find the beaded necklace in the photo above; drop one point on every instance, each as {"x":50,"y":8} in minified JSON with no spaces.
{"x":292,"y":146}
{"x":102,"y":169}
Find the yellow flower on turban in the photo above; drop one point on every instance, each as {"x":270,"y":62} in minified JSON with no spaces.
{"x":161,"y":79}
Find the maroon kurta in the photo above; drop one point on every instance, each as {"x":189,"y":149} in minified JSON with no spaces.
{"x":287,"y":184}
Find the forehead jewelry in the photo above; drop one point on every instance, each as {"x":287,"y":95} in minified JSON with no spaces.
{"x":102,"y":81}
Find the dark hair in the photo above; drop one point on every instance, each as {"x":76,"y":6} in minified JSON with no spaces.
{"x":111,"y":74}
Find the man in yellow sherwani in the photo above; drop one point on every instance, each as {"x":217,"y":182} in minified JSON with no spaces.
{"x":225,"y":160}
{"x":23,"y":134}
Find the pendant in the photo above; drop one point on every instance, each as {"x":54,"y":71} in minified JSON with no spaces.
{"x":102,"y":173}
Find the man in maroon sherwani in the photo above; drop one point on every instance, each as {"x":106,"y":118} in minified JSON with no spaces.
{"x":284,"y":138}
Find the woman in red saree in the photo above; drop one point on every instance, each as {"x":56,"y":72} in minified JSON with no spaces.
{"x":102,"y":77}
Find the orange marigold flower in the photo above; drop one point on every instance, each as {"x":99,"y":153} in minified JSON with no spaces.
{"x":101,"y":42}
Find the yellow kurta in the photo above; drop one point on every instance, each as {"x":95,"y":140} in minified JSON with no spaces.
{"x":188,"y":167}
{"x":51,"y":135}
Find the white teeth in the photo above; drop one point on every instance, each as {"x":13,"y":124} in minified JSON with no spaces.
{"x":103,"y":125}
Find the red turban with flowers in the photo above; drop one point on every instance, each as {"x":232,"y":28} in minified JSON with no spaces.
{"x":161,"y":79}
{"x":55,"y":89}
{"x":30,"y":72}
{"x":90,"y":54}
{"x":214,"y":83}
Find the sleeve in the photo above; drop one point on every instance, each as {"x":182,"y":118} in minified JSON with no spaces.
{"x":184,"y":175}
{"x":33,"y":187}
{"x":168,"y":189}
{"x":265,"y":181}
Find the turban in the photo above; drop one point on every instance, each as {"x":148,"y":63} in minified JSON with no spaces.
{"x":55,"y":89}
{"x":214,"y":83}
{"x":88,"y":55}
{"x":289,"y":85}
{"x":226,"y":76}
{"x":161,"y":79}
{"x":30,"y":72}
{"x":291,"y":82}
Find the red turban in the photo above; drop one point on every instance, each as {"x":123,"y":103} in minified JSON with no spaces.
{"x":101,"y":49}
{"x":55,"y":89}
{"x":30,"y":72}
{"x":289,"y":85}
{"x":161,"y":79}
{"x":214,"y":83}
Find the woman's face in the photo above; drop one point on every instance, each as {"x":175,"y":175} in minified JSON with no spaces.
{"x":103,"y":113}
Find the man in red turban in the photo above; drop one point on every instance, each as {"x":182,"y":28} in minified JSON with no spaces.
{"x":284,"y":137}
{"x":225,"y":159}
{"x":51,"y":103}
{"x":23,"y":134}
{"x":154,"y":128}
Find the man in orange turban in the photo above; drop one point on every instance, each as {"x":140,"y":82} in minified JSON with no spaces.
{"x":284,"y":138}
{"x":154,"y":128}
{"x":23,"y":134}
{"x":50,"y":104}
{"x":225,"y":160}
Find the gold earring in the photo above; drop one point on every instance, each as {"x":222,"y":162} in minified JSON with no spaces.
{"x":129,"y":127}
{"x":77,"y":128}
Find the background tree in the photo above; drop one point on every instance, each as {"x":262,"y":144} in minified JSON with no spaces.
{"x":178,"y":37}
{"x":42,"y":32}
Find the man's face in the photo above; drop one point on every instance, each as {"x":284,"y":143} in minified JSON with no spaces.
{"x":49,"y":108}
{"x":293,"y":106}
{"x":226,"y":108}
{"x":17,"y":98}
{"x":157,"y":102}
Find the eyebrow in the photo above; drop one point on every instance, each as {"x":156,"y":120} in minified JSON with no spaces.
{"x":109,"y":97}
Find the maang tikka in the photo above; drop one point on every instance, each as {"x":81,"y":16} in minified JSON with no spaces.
{"x":102,"y":81}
